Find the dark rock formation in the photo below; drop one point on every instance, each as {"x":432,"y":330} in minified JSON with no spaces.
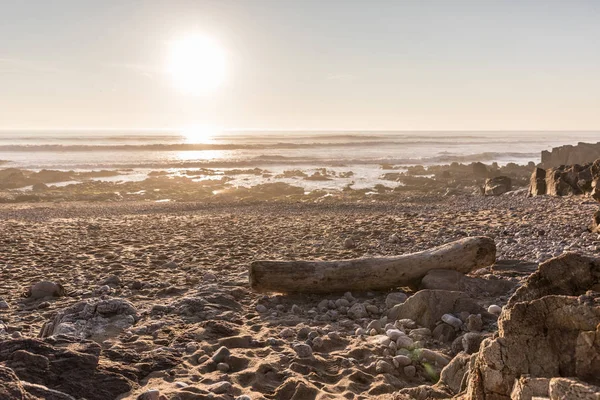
{"x":566,"y":180}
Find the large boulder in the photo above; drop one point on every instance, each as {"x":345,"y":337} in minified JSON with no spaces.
{"x":550,"y":328}
{"x":537,"y":183}
{"x":97,"y":320}
{"x":426,"y":307}
{"x":497,"y":186}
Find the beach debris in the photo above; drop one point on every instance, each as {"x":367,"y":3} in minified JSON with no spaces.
{"x":464,"y":255}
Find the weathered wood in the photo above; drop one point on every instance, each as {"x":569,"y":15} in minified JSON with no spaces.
{"x":464,"y":255}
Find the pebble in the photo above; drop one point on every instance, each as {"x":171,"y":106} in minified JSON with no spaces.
{"x":404,"y":342}
{"x":444,"y":333}
{"x":360,"y":332}
{"x":209,"y":277}
{"x":357,"y":311}
{"x":383,"y":367}
{"x":303,"y":350}
{"x":286,"y":333}
{"x":223,"y":367}
{"x":181,"y":384}
{"x":401,"y":361}
{"x":261,"y":309}
{"x":452,"y":321}
{"x":4,"y":305}
{"x":410,"y":371}
{"x":406,"y":323}
{"x":474,"y":323}
{"x":494,"y":309}
{"x":342,"y":303}
{"x":221,"y":354}
{"x":303,"y":333}
{"x":296,"y":309}
{"x":349,"y":243}
{"x":394,"y":334}
{"x":375,"y":324}
{"x":373,"y":309}
{"x":243,"y":397}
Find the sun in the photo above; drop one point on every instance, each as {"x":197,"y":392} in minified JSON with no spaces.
{"x":196,"y":64}
{"x":197,"y":134}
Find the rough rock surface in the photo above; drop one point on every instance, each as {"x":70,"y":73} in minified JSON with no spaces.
{"x":455,"y":281}
{"x":96,"y":320}
{"x":426,"y":307}
{"x":550,"y":328}
{"x":497,"y":186}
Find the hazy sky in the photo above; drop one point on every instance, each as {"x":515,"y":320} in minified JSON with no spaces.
{"x":324,"y":64}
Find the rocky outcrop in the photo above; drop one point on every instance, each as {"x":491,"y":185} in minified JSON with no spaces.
{"x":566,"y":180}
{"x":580,"y":154}
{"x":97,"y":320}
{"x":549,"y":329}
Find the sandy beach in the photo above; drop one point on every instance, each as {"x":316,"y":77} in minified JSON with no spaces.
{"x":183,"y":267}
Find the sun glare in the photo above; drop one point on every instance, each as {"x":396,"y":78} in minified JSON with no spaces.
{"x":198,"y":134}
{"x":197,"y":64}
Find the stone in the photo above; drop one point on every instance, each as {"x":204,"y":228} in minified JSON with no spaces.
{"x":44,"y":289}
{"x":452,"y":375}
{"x":405,"y":342}
{"x":497,"y":186}
{"x":471,"y":342}
{"x":383,"y":367}
{"x":537,"y":183}
{"x":4,"y":305}
{"x":433,"y":356}
{"x":445,"y":279}
{"x":222,"y":354}
{"x":451,"y":320}
{"x":426,"y":307}
{"x":223,"y":367}
{"x":376,"y":325}
{"x":474,"y":323}
{"x":494,"y":309}
{"x":526,"y":388}
{"x":261,"y":309}
{"x":349,"y":243}
{"x":220,"y":387}
{"x":401,"y":361}
{"x":570,"y":388}
{"x":410,"y":371}
{"x":550,"y":328}
{"x":394,"y":334}
{"x":303,"y":350}
{"x":395,"y":298}
{"x":444,"y":333}
{"x":287,"y":333}
{"x":93,"y":319}
{"x":358,"y":311}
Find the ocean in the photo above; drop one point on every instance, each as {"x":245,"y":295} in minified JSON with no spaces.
{"x":136,"y":153}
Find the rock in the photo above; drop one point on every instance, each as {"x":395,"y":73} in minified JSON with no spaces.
{"x":4,"y":305}
{"x":443,"y":279}
{"x":303,"y":350}
{"x":453,"y":374}
{"x":395,"y":298}
{"x":222,"y":354}
{"x":220,"y":387}
{"x":410,"y":371}
{"x":570,"y":388}
{"x":405,"y":342}
{"x":426,"y":307}
{"x":471,"y":342}
{"x":526,"y":388}
{"x":433,"y":356}
{"x":401,"y":361}
{"x":480,"y":170}
{"x":10,"y":385}
{"x":444,"y":333}
{"x":349,"y":243}
{"x":474,"y":323}
{"x":112,"y":280}
{"x":46,"y":289}
{"x":452,"y":321}
{"x":358,"y":311}
{"x":497,"y":186}
{"x":376,"y":325}
{"x":537,"y":183}
{"x":394,"y":334}
{"x":261,"y":309}
{"x":383,"y":367}
{"x":550,"y":328}
{"x":223,"y":367}
{"x":494,"y":309}
{"x":93,"y":319}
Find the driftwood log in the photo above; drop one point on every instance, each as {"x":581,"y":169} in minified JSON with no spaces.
{"x":464,"y":255}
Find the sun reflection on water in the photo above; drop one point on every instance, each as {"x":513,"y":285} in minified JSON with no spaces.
{"x":193,"y":155}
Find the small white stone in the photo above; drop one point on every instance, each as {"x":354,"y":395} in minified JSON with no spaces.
{"x":494,"y":309}
{"x":452,"y":321}
{"x":394,"y":334}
